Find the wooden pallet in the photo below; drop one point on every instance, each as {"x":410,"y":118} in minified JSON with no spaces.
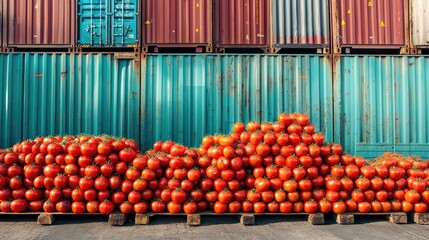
{"x":43,"y":218}
{"x":349,"y":218}
{"x":419,"y":218}
{"x":244,"y":218}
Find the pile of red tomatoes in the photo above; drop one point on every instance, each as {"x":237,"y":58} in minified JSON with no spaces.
{"x":260,"y":167}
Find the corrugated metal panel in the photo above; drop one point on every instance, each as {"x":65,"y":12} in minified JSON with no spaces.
{"x":68,"y":94}
{"x":419,"y":22}
{"x":109,"y":23}
{"x":188,"y":96}
{"x":241,"y":22}
{"x":11,"y":68}
{"x":40,"y":22}
{"x":178,"y":22}
{"x":372,"y":22}
{"x":1,"y":24}
{"x":299,"y":22}
{"x":381,"y":105}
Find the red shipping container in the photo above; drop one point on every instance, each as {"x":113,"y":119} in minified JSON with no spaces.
{"x":1,"y":24}
{"x":242,"y":23}
{"x":371,"y":23}
{"x":174,"y":23}
{"x":39,"y":22}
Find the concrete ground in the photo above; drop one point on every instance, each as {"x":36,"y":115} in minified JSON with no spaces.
{"x":213,"y":227}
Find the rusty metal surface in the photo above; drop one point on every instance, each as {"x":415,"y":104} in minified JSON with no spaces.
{"x":1,"y":23}
{"x":185,"y":97}
{"x":40,"y":22}
{"x":371,"y":22}
{"x":49,"y":94}
{"x":419,"y":13}
{"x":381,"y":104}
{"x":300,"y":22}
{"x":177,"y":22}
{"x":242,"y":22}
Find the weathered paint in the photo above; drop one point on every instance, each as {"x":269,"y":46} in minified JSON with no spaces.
{"x":178,"y":23}
{"x":381,"y":104}
{"x":185,"y":97}
{"x":39,"y":22}
{"x":12,"y":69}
{"x":371,"y":22}
{"x":419,"y":23}
{"x":108,"y":23}
{"x":1,"y":24}
{"x":48,"y":94}
{"x":300,"y":23}
{"x":241,"y":23}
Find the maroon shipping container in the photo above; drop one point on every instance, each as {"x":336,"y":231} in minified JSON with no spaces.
{"x":172,"y":23}
{"x":30,"y":23}
{"x":1,"y":24}
{"x":242,"y":23}
{"x":371,"y":23}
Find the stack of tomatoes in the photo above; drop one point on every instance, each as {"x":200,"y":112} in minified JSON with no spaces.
{"x":389,"y":183}
{"x":268,"y":167}
{"x":167,"y":178}
{"x":260,"y":167}
{"x":64,"y":174}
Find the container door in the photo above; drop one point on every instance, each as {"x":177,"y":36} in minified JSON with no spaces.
{"x":125,"y":18}
{"x":381,"y":105}
{"x":93,"y":19}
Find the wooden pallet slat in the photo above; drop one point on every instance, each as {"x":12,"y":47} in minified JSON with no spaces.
{"x":419,"y":218}
{"x":349,"y":218}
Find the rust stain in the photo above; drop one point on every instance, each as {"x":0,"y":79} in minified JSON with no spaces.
{"x":63,"y":74}
{"x":38,"y":75}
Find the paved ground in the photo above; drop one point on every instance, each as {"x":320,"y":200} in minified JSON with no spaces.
{"x":213,"y":227}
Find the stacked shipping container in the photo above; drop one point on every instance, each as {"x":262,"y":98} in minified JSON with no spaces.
{"x":171,"y":23}
{"x":111,"y":23}
{"x":267,"y":24}
{"x":370,"y":24}
{"x":39,"y":23}
{"x":419,"y":24}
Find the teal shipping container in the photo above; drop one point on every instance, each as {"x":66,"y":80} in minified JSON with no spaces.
{"x":49,"y":94}
{"x":111,"y":23}
{"x":381,"y":104}
{"x":185,"y":97}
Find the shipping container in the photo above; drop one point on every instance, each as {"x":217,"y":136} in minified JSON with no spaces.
{"x":381,"y":104}
{"x":49,"y":94}
{"x":1,"y":25}
{"x":172,"y":23}
{"x":39,"y":23}
{"x":185,"y":97}
{"x":370,"y":24}
{"x":300,"y":24}
{"x":242,"y":24}
{"x":419,"y":23}
{"x":109,"y":23}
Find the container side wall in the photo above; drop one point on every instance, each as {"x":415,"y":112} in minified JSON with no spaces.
{"x":40,"y":22}
{"x":185,"y":97}
{"x":300,"y":22}
{"x":11,"y":84}
{"x":241,"y":22}
{"x":382,"y":105}
{"x":363,"y":22}
{"x":69,"y":94}
{"x":178,"y":22}
{"x":419,"y":22}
